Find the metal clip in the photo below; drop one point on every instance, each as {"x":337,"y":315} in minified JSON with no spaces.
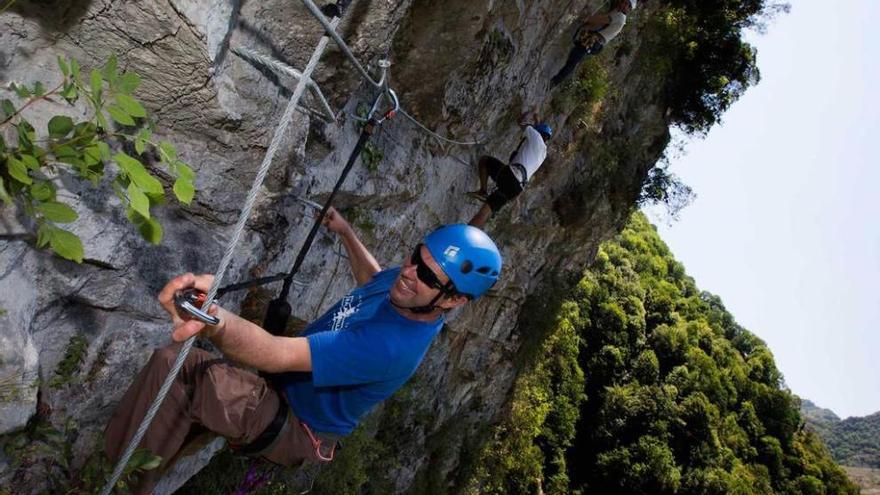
{"x":191,"y":301}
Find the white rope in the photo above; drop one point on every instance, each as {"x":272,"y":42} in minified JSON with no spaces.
{"x":227,"y":258}
{"x":283,"y":69}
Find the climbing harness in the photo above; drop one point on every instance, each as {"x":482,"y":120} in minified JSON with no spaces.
{"x":279,"y":310}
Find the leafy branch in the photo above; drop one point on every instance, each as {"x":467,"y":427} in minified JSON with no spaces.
{"x":29,"y":165}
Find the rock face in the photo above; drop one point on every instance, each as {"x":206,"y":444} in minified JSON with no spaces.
{"x":73,"y":336}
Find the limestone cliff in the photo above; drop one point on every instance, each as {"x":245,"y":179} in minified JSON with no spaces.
{"x":465,"y":68}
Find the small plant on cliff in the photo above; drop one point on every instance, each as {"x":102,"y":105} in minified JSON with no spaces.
{"x":47,"y":451}
{"x":31,"y":165}
{"x":70,"y":364}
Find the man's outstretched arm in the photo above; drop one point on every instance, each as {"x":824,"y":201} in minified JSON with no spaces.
{"x":363,"y":264}
{"x":239,"y":339}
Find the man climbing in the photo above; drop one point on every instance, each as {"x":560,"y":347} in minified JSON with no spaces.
{"x":356,"y":355}
{"x":510,"y":178}
{"x":594,"y":33}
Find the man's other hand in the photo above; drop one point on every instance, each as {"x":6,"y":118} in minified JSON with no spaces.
{"x":335,"y":222}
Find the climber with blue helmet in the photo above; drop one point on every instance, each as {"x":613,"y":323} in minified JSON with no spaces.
{"x":592,"y":35}
{"x":510,"y":178}
{"x":354,"y":356}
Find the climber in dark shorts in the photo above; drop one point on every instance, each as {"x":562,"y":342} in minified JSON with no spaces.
{"x":510,"y":178}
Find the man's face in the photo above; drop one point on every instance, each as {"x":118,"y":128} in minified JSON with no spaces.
{"x":410,"y":290}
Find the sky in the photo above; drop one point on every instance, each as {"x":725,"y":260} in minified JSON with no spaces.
{"x":786,"y":223}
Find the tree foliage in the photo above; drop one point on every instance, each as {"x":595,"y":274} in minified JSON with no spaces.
{"x":698,"y":49}
{"x":676,"y":397}
{"x":116,"y":130}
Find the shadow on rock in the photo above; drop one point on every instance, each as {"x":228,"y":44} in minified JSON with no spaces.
{"x":53,"y":16}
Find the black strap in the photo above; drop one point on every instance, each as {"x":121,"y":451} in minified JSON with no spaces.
{"x":524,"y":175}
{"x":265,"y":439}
{"x":515,"y":151}
{"x":279,"y":309}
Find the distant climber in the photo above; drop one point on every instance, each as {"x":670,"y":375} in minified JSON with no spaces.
{"x":510,"y":178}
{"x":593,"y":34}
{"x":353,"y":357}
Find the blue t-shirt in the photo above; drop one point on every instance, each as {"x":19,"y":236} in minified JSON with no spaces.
{"x":363,"y":350}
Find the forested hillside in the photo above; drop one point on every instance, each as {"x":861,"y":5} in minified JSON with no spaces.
{"x":852,"y":441}
{"x":646,"y":384}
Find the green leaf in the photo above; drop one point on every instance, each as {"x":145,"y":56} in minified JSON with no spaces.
{"x":30,"y":162}
{"x":74,"y":70}
{"x":97,"y":85}
{"x":120,"y":115}
{"x":139,"y":145}
{"x":21,"y":91}
{"x":57,"y":212}
{"x":152,"y":463}
{"x":39,"y":89}
{"x":138,"y":174}
{"x":69,"y":92}
{"x":63,"y":65}
{"x":138,"y":200}
{"x":168,"y":150}
{"x":7,"y":107}
{"x":43,"y":234}
{"x":60,"y":126}
{"x":66,"y":244}
{"x":104,"y":148}
{"x":4,"y":195}
{"x":110,"y":70}
{"x":149,"y":228}
{"x":102,"y":121}
{"x":131,"y":106}
{"x":184,"y":171}
{"x":2,"y":144}
{"x":128,"y":82}
{"x":140,"y":141}
{"x":18,"y":170}
{"x":92,"y":154}
{"x":184,"y":190}
{"x":43,"y":191}
{"x":62,"y":152}
{"x":26,"y":134}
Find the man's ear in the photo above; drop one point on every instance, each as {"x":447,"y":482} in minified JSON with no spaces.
{"x":451,"y":302}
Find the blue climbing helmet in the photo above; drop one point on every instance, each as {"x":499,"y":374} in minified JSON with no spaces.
{"x":467,"y":256}
{"x":544,"y":129}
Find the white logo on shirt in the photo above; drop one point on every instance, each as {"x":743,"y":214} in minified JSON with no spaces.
{"x":346,"y":309}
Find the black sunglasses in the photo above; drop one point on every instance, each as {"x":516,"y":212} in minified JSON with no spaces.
{"x":424,"y":272}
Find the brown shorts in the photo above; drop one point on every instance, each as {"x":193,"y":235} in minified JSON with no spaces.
{"x":210,"y":394}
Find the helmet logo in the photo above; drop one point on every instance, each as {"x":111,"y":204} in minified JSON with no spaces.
{"x":451,"y":251}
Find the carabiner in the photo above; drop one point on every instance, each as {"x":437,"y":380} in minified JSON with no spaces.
{"x":191,"y":301}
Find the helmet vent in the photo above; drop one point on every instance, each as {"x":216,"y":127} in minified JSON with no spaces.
{"x":484,"y":270}
{"x":466,"y":267}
